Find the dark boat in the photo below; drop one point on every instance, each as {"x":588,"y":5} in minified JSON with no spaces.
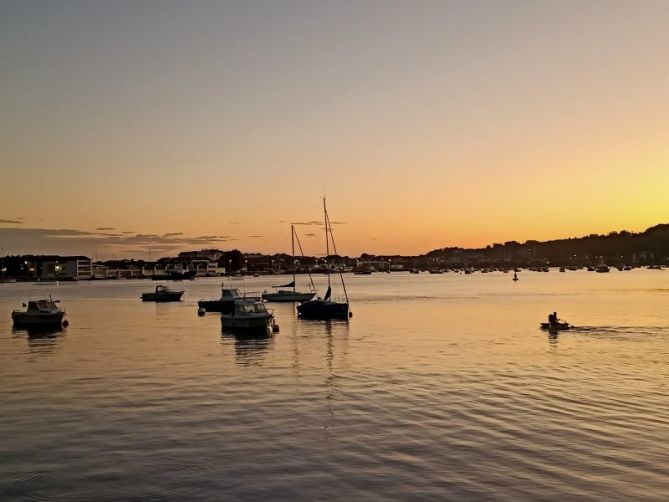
{"x":39,"y":314}
{"x":325,"y":308}
{"x":555,"y":326}
{"x":162,"y":294}
{"x":226,"y":303}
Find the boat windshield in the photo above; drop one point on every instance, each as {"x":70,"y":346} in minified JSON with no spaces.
{"x":250,"y":308}
{"x":231,"y":293}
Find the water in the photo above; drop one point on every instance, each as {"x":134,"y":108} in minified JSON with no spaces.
{"x":440,"y":386}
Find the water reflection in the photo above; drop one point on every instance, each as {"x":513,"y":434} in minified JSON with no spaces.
{"x":553,"y":339}
{"x":250,"y":348}
{"x":331,"y":387}
{"x":42,"y":339}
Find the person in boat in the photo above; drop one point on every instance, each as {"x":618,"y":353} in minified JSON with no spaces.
{"x":553,"y":318}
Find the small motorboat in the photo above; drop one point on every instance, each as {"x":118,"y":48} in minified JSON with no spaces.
{"x":250,"y":317}
{"x":163,"y":294}
{"x":39,"y":314}
{"x":226,"y":303}
{"x":556,"y":326}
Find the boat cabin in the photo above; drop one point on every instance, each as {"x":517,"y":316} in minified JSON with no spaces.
{"x":250,"y":308}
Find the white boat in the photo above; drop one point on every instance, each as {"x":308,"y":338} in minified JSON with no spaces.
{"x":39,"y":313}
{"x":249,"y":317}
{"x":226,"y":303}
{"x":290,"y":295}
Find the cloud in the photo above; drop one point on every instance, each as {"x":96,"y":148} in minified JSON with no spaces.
{"x":310,"y":234}
{"x":312,"y":222}
{"x":128,"y":232}
{"x":234,"y":222}
{"x":13,"y":222}
{"x":74,"y":241}
{"x":105,"y":228}
{"x":255,"y":236}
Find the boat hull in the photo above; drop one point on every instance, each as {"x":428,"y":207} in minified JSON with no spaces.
{"x":248,"y":324}
{"x":173,"y":296}
{"x":43,"y":320}
{"x":555,"y":326}
{"x":288,"y":297}
{"x":322,"y":310}
{"x":222,"y":306}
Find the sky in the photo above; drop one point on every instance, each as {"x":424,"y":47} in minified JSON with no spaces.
{"x":143,"y":128}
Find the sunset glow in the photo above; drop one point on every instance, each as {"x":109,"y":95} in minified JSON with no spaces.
{"x":427,"y":124}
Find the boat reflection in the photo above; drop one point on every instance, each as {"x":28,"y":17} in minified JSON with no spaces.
{"x":40,"y":339}
{"x":250,"y":348}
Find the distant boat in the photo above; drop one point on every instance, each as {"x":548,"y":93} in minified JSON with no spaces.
{"x":556,"y":326}
{"x":325,"y":308}
{"x":414,"y":271}
{"x":248,"y":316}
{"x":283,"y":295}
{"x":362,"y":271}
{"x":562,"y":269}
{"x":163,"y":294}
{"x":175,"y":275}
{"x":602,"y":268}
{"x":39,"y":314}
{"x":226,"y":303}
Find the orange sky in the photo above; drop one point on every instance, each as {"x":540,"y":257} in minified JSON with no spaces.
{"x":427,"y":124}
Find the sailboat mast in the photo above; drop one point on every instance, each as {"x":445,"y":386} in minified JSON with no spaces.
{"x":292,"y":250}
{"x":327,"y":241}
{"x":334,"y":248}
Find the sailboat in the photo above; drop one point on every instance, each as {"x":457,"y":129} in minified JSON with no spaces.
{"x":325,"y":308}
{"x":288,"y":295}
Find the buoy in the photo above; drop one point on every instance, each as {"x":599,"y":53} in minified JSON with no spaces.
{"x":350,"y":314}
{"x":201,"y":311}
{"x":65,"y":323}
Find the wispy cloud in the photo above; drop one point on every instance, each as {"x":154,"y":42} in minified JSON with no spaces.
{"x":12,"y":222}
{"x":67,"y":240}
{"x":255,"y":236}
{"x":312,"y":222}
{"x":310,"y":234}
{"x":105,"y":228}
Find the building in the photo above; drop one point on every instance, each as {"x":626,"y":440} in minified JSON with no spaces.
{"x":64,"y":268}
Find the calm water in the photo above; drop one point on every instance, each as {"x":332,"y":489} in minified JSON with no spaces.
{"x":439,"y":387}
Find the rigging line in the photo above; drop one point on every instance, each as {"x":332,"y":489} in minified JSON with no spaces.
{"x":327,"y":241}
{"x":311,"y":280}
{"x":328,"y":225}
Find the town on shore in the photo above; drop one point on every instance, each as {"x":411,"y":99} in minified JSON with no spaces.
{"x":623,"y":250}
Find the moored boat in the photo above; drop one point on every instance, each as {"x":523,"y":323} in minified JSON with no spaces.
{"x":226,"y":303}
{"x":325,"y":308}
{"x":290,"y":295}
{"x":39,"y":313}
{"x":163,"y":294}
{"x":250,"y":317}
